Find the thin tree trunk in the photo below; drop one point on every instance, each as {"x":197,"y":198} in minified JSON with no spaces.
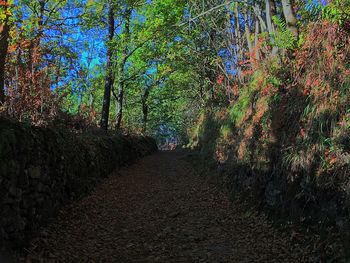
{"x":120,"y":99}
{"x":109,"y":75}
{"x":290,"y":17}
{"x":273,"y":8}
{"x":257,"y":11}
{"x":121,"y":85}
{"x":145,"y":109}
{"x":4,"y":42}
{"x":270,"y":10}
{"x":238,"y":44}
{"x":248,"y":34}
{"x":269,"y":14}
{"x":256,"y":39}
{"x":42,"y":4}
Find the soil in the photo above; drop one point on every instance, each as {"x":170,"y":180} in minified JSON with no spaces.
{"x":160,"y":210}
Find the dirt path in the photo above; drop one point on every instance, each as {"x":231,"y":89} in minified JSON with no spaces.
{"x":159,"y":210}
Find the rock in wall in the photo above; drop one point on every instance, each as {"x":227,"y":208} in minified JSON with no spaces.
{"x":41,"y":169}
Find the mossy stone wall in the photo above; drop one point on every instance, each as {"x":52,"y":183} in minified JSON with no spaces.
{"x":41,"y":169}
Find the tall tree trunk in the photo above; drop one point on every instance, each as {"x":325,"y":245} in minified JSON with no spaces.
{"x":248,"y":33}
{"x":256,"y":40}
{"x":109,"y":74}
{"x":239,"y":48}
{"x":42,"y":4}
{"x":290,"y":17}
{"x":121,"y":73}
{"x":269,"y":7}
{"x":257,"y":11}
{"x":36,"y":40}
{"x":119,"y":106}
{"x":4,"y":42}
{"x":270,"y":10}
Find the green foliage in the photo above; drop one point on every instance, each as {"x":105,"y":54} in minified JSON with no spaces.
{"x":240,"y":107}
{"x":337,"y":11}
{"x":225,"y":130}
{"x":284,"y":38}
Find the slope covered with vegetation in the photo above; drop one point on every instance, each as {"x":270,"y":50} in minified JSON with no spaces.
{"x":285,"y":140}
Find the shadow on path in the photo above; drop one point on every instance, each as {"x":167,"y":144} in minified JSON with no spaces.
{"x":159,"y":210}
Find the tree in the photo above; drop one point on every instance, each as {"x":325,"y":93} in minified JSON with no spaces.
{"x":109,"y":70}
{"x":151,"y":24}
{"x":290,"y":17}
{"x":121,"y":64}
{"x":4,"y":43}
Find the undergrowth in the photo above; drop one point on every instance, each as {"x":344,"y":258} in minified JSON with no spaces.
{"x":289,"y":131}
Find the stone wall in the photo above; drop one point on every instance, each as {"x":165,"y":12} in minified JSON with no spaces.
{"x":42,"y":169}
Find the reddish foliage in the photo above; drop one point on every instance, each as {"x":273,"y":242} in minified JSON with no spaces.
{"x":3,"y":3}
{"x":28,"y":85}
{"x":246,"y":73}
{"x":220,"y":79}
{"x":328,"y":45}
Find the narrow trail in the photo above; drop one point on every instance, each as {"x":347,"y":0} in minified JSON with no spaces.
{"x":159,"y":210}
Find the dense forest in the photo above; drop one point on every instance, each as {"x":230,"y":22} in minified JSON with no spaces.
{"x":155,"y":66}
{"x":260,"y":88}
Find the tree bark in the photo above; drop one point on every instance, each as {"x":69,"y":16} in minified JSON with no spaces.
{"x":121,"y":73}
{"x":109,"y":74}
{"x":119,"y":106}
{"x":269,"y":7}
{"x":256,"y":40}
{"x":4,"y":43}
{"x":145,"y":109}
{"x":290,"y":17}
{"x":248,"y":33}
{"x":239,"y":48}
{"x":257,"y":11}
{"x":270,"y":10}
